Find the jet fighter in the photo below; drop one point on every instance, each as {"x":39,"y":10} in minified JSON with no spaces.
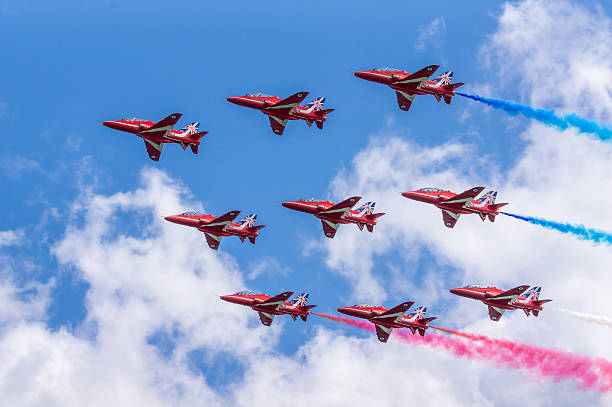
{"x":332,"y":215}
{"x":453,"y":205}
{"x":155,"y":135}
{"x":499,"y":301}
{"x":407,"y":85}
{"x":267,"y":307}
{"x":387,"y":319}
{"x":214,"y":228}
{"x":280,"y":111}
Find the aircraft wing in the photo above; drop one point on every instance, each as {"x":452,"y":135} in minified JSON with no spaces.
{"x":340,"y":209}
{"x":507,"y":296}
{"x":274,"y":302}
{"x":213,"y":240}
{"x":329,"y":228}
{"x":460,"y":200}
{"x":286,"y":106}
{"x":161,"y":128}
{"x":278,"y":125}
{"x":153,"y":149}
{"x":218,"y":224}
{"x":395,"y":312}
{"x":265,"y":318}
{"x":414,"y":80}
{"x":383,"y":332}
{"x":404,"y":100}
{"x":450,"y":218}
{"x":495,"y":313}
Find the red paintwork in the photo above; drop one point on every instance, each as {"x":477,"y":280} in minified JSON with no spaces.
{"x":265,"y":104}
{"x":487,"y":294}
{"x":202,"y":223}
{"x":254,"y":300}
{"x":373,"y":314}
{"x":393,"y":78}
{"x":318,"y":208}
{"x":139,"y":128}
{"x":440,"y":199}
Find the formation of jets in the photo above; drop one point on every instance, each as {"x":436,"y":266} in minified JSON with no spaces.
{"x":332,"y":215}
{"x":499,"y":301}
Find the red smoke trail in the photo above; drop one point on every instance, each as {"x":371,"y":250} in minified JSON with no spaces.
{"x":588,"y":373}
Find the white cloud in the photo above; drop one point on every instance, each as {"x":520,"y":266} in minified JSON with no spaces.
{"x":431,"y":34}
{"x":11,"y":237}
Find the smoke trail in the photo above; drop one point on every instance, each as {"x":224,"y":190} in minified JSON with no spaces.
{"x":597,"y":236}
{"x":588,"y":373}
{"x":596,"y":319}
{"x":548,"y":117}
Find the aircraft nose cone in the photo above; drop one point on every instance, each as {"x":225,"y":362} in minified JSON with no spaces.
{"x":408,"y":194}
{"x":344,"y":310}
{"x":289,"y":204}
{"x":454,"y":291}
{"x":170,"y":219}
{"x":224,"y":298}
{"x":361,"y":74}
{"x":233,"y":99}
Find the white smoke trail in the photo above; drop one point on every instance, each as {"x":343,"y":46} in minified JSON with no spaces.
{"x":596,"y":319}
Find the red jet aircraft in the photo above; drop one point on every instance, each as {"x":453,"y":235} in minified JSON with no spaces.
{"x":453,"y":205}
{"x":407,"y":85}
{"x":499,"y":301}
{"x":156,"y":134}
{"x":387,"y":319}
{"x":267,"y":307}
{"x":332,"y":215}
{"x":214,"y":228}
{"x":280,"y":111}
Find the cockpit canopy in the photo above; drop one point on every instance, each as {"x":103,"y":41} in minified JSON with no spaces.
{"x":385,"y":69}
{"x":247,"y":292}
{"x":190,"y":213}
{"x":476,"y":286}
{"x":310,"y":200}
{"x":363,"y":306}
{"x":133,"y":119}
{"x":258,"y":95}
{"x":431,"y":190}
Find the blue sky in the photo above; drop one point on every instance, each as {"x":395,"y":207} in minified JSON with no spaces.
{"x":70,"y":65}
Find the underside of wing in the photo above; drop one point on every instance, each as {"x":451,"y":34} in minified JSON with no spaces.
{"x":341,"y":208}
{"x":382,"y":332}
{"x":414,"y":81}
{"x":286,"y":106}
{"x":404,"y":100}
{"x":218,"y":224}
{"x":449,"y":218}
{"x":329,"y":228}
{"x":153,"y":149}
{"x":507,"y":296}
{"x":495,"y":313}
{"x":265,"y":318}
{"x":163,"y":127}
{"x":213,"y":240}
{"x":278,"y":125}
{"x":276,"y":301}
{"x":461,"y":199}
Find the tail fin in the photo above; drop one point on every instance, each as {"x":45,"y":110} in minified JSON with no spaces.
{"x":418,"y":313}
{"x":255,"y":230}
{"x":488,"y":198}
{"x":447,"y":99}
{"x":366,"y":209}
{"x":426,"y":321}
{"x":316,"y":105}
{"x":445,"y":78}
{"x":248,"y":221}
{"x":300,"y":300}
{"x":533,"y":294}
{"x":191,"y":128}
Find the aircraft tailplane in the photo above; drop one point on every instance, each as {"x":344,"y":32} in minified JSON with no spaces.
{"x":323,"y":114}
{"x":536,"y":312}
{"x":447,"y":99}
{"x":370,"y":227}
{"x":421,"y":331}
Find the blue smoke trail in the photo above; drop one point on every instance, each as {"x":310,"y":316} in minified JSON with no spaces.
{"x":579,"y":231}
{"x":548,"y":117}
